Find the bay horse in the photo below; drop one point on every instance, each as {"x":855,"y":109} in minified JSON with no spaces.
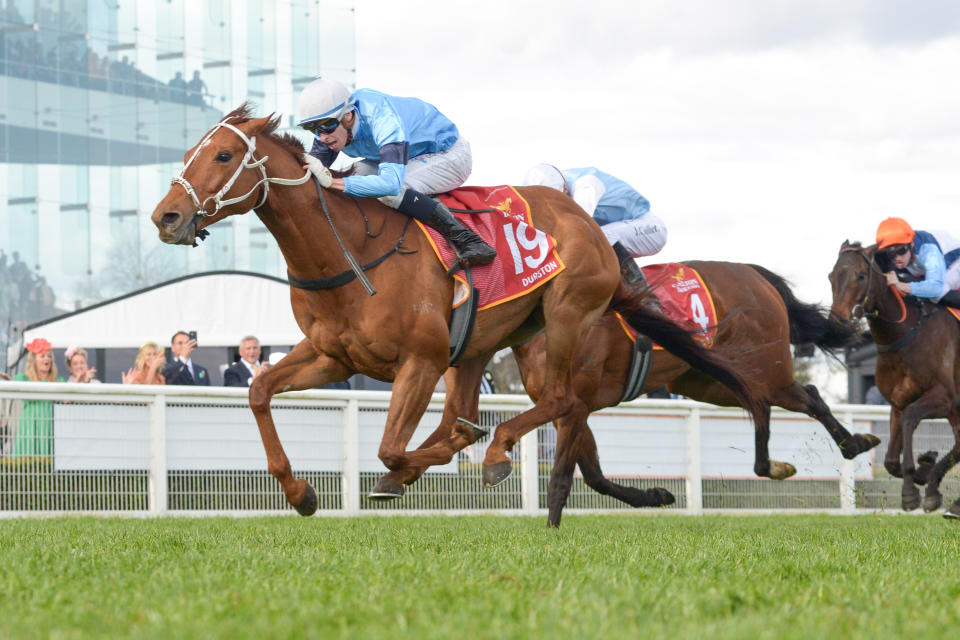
{"x":918,"y":365}
{"x":400,"y":334}
{"x":758,"y":317}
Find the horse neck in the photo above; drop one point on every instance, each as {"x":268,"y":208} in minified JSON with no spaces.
{"x":884,"y":326}
{"x":295,"y":218}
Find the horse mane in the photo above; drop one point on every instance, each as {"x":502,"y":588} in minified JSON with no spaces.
{"x":288,"y":141}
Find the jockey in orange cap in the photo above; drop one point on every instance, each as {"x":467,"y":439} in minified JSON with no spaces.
{"x":931,"y":256}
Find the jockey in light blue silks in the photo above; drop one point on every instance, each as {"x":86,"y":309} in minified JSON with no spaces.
{"x":933,"y":257}
{"x":622,"y":213}
{"x":409,"y":152}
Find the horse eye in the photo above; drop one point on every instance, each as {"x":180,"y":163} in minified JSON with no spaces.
{"x":223,"y":156}
{"x":861,"y":276}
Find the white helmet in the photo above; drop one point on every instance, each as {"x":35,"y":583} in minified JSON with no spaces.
{"x":546,"y":175}
{"x":323,"y":98}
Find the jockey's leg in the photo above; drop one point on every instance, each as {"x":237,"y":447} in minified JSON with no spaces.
{"x":438,"y":173}
{"x":951,"y":299}
{"x":639,"y":237}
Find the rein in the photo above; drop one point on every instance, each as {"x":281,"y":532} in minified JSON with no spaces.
{"x":862,"y":305}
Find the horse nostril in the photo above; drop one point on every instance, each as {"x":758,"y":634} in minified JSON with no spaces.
{"x":170,"y":219}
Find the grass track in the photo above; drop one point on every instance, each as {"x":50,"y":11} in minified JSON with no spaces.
{"x":713,"y":577}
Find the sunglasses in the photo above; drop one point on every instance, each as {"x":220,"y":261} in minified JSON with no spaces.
{"x":326,"y":125}
{"x":894,"y":252}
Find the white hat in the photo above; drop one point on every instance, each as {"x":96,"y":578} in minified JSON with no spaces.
{"x":321,"y":99}
{"x":546,"y":175}
{"x":275,"y":357}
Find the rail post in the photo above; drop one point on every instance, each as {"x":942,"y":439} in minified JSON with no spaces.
{"x":848,"y":481}
{"x":350,"y":481}
{"x":529,"y":473}
{"x":157,"y":487}
{"x":693,"y":475}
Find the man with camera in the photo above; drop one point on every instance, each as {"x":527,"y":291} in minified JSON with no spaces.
{"x":182,"y":370}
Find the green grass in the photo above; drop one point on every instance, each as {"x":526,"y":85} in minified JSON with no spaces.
{"x":620,"y":576}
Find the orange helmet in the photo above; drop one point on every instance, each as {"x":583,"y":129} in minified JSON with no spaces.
{"x":894,"y":231}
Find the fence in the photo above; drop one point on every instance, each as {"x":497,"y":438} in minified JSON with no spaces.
{"x":142,"y":450}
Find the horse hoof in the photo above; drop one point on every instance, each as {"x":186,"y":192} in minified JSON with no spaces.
{"x":308,"y":505}
{"x":932,"y":503}
{"x":781,"y":470}
{"x":953,"y":513}
{"x":494,"y":474}
{"x":910,"y":500}
{"x":386,"y":489}
{"x":473,"y":431}
{"x":659,"y":497}
{"x":865,"y":442}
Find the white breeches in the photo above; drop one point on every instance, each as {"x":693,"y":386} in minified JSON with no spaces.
{"x":951,"y":279}
{"x":430,"y":173}
{"x":643,"y":236}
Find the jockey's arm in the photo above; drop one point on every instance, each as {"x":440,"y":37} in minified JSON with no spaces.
{"x":933,"y":281}
{"x":586,"y":191}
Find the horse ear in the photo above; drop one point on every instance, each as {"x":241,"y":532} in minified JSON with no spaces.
{"x":257,"y":124}
{"x":846,"y":243}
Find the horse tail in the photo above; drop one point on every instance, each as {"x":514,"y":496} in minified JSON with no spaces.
{"x":632,"y":306}
{"x":809,"y":323}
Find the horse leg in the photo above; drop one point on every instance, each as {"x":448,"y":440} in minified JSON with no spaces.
{"x":567,"y":322}
{"x":463,"y":390}
{"x":302,"y":368}
{"x":932,"y":498}
{"x":932,"y":404}
{"x":763,"y":466}
{"x":891,"y":460}
{"x":589,"y":462}
{"x":564,"y":464}
{"x":806,"y":399}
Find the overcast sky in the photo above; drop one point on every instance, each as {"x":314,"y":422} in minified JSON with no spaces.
{"x":761,"y":131}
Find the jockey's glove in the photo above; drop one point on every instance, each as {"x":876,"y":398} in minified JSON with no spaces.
{"x":323,"y":174}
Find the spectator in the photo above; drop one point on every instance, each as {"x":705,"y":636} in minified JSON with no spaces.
{"x":178,"y":88}
{"x":182,"y":370}
{"x":147,"y":366}
{"x":243,"y":371}
{"x":76,"y":358}
{"x":35,"y":430}
{"x":874,"y":396}
{"x":196,"y":89}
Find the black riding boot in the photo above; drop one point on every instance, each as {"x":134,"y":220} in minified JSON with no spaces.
{"x":951,"y":299}
{"x":469,"y":247}
{"x":629,"y":268}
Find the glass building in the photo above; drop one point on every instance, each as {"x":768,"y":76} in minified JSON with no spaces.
{"x":99,"y":100}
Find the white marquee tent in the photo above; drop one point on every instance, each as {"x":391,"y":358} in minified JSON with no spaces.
{"x":221,"y":306}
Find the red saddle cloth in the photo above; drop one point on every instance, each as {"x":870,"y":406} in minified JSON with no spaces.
{"x":526,"y":258}
{"x":684,"y":299}
{"x":955,"y":312}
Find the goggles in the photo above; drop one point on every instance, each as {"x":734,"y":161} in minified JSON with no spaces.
{"x":325,"y":125}
{"x":897,"y":251}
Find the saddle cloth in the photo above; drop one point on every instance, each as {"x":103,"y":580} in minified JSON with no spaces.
{"x":684,"y":299}
{"x":526,"y":257}
{"x":955,"y":312}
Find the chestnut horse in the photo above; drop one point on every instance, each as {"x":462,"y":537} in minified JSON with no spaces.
{"x":400,"y":334}
{"x":918,"y":365}
{"x":758,"y":316}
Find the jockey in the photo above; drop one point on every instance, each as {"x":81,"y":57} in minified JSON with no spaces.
{"x":409,"y":152}
{"x":931,"y":256}
{"x":622,"y":213}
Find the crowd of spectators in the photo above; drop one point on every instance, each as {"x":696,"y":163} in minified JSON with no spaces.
{"x":25,"y":297}
{"x":65,"y":61}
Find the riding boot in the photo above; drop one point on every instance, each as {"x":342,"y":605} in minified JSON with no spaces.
{"x":632,"y":274}
{"x":951,"y":299}
{"x":469,"y":247}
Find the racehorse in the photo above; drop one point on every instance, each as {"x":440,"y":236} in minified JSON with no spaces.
{"x":400,"y":334}
{"x":758,"y":316}
{"x":918,"y":365}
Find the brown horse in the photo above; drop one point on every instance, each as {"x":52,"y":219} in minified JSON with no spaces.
{"x":400,"y":334}
{"x":918,"y":365}
{"x":758,"y":316}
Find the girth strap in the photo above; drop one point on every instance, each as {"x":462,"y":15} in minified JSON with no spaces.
{"x":346,"y":276}
{"x":639,"y":370}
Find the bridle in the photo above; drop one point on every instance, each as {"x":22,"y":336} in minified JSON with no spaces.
{"x":249,"y":162}
{"x":859,"y":310}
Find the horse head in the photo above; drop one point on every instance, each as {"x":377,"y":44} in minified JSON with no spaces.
{"x":221,"y":176}
{"x":857,"y":282}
